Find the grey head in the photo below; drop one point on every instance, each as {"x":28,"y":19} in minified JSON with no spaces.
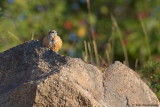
{"x":52,"y":33}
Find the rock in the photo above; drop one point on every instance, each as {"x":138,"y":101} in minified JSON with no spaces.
{"x":34,"y":76}
{"x":124,"y":81}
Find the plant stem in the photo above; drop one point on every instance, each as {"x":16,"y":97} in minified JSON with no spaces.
{"x":89,"y":16}
{"x":146,"y":39}
{"x":121,"y":40}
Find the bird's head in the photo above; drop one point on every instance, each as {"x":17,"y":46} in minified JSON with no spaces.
{"x":52,"y":33}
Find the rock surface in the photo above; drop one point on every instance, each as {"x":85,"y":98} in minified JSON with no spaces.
{"x":124,"y":81}
{"x":34,"y":76}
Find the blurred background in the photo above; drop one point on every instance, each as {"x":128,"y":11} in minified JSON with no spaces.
{"x":98,"y":31}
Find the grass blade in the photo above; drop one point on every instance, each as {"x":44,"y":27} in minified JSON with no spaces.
{"x":96,"y":52}
{"x":146,"y":39}
{"x":14,"y":36}
{"x":121,"y":40}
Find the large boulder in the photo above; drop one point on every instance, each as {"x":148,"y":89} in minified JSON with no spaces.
{"x":124,"y":81}
{"x":34,"y":76}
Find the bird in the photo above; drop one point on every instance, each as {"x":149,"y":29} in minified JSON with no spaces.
{"x":53,"y":41}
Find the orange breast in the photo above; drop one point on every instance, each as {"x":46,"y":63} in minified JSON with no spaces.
{"x":57,"y":43}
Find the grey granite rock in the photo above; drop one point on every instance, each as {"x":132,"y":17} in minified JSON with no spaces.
{"x":34,"y":76}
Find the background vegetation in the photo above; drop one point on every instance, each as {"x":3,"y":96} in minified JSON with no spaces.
{"x":99,"y":31}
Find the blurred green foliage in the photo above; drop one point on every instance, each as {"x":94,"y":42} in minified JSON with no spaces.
{"x":151,"y":72}
{"x":137,"y":23}
{"x":24,"y":18}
